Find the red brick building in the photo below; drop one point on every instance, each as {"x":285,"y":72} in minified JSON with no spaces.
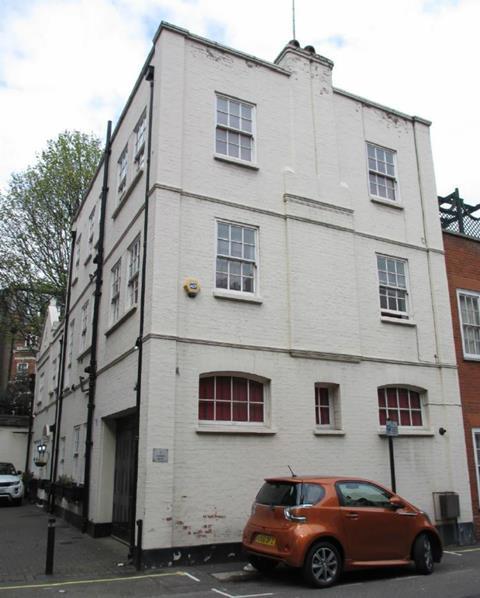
{"x":461,"y":238}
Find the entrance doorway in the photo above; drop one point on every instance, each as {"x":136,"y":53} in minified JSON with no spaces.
{"x":123,"y":481}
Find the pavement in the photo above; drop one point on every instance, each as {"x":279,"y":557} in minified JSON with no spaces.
{"x":87,"y":567}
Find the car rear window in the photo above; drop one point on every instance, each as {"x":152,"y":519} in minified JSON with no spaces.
{"x":289,"y":494}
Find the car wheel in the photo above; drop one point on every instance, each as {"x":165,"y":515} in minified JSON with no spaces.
{"x":423,"y":554}
{"x":262,"y":564}
{"x":323,"y":565}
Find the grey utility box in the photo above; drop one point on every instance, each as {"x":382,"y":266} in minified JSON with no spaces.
{"x":449,"y":505}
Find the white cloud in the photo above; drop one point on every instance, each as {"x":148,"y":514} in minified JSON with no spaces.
{"x":72,"y":63}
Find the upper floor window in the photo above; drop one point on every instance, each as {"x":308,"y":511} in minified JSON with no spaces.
{"x":400,"y":405}
{"x":236,"y":257}
{"x":22,"y":368}
{"x":231,"y":399}
{"x":392,"y":278}
{"x":469,"y":307}
{"x":84,"y":327}
{"x":78,"y":247}
{"x":235,"y":129}
{"x":140,"y":135}
{"x":91,"y":230}
{"x":133,"y":271}
{"x":122,"y":169}
{"x":70,"y":341}
{"x":115,"y":292}
{"x":382,"y":172}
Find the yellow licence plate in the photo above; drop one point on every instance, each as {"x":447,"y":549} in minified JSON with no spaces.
{"x":266,"y":540}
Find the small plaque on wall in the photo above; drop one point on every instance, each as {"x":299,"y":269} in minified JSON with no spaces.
{"x":160,"y":455}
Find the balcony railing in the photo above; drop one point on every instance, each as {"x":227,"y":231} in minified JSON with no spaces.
{"x":458,"y":217}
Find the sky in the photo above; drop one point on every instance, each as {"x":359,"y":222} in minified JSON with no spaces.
{"x":71,"y":64}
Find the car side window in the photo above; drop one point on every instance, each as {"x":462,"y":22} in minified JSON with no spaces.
{"x":363,"y":494}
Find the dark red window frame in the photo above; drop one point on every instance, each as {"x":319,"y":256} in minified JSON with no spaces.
{"x":231,"y":399}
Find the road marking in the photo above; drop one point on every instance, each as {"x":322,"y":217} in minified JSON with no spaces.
{"x":451,"y":552}
{"x":57,"y":584}
{"x":242,"y":596}
{"x":469,"y":550}
{"x":191,"y":576}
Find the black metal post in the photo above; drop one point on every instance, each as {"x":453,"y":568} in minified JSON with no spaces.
{"x":31,"y":387}
{"x":392,"y":464}
{"x":50,"y":546}
{"x":139,"y":549}
{"x":459,"y":208}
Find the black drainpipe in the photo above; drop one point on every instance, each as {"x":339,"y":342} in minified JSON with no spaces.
{"x":61,"y":378}
{"x":91,"y":369}
{"x":51,"y":491}
{"x":149,"y":76}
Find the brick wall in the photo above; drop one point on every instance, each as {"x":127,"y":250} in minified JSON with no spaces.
{"x":462,"y":258}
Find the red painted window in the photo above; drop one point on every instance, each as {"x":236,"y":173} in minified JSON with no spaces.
{"x":400,"y":405}
{"x":323,"y":406}
{"x":230,"y":399}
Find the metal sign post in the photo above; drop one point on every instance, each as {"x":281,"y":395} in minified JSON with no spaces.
{"x":391,"y":429}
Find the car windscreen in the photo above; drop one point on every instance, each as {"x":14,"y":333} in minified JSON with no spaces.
{"x":7,"y":469}
{"x":289,"y":494}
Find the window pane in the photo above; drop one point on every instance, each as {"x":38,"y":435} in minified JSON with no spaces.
{"x":325,"y":415}
{"x":235,"y":268}
{"x":236,"y":283}
{"x":206,"y":390}
{"x":236,"y":249}
{"x":246,"y":111}
{"x":392,"y":397}
{"x":223,"y":230}
{"x":248,"y":285}
{"x":222,"y":104}
{"x":234,"y":122}
{"x":256,"y":412}
{"x":246,"y":154}
{"x":383,"y":417}
{"x":222,"y":281}
{"x":222,"y":118}
{"x":414,"y":400}
{"x":249,"y":252}
{"x":223,"y":248}
{"x":221,"y":147}
{"x":240,"y":389}
{"x":249,"y":236}
{"x":404,"y":418}
{"x":205,"y":410}
{"x":416,"y":418}
{"x":240,"y":412}
{"x":256,"y":391}
{"x":236,"y":232}
{"x":247,"y":269}
{"x":403,"y":398}
{"x":222,"y":265}
{"x":223,"y":388}
{"x":234,"y":108}
{"x":223,"y":411}
{"x":246,"y":125}
{"x":381,"y":397}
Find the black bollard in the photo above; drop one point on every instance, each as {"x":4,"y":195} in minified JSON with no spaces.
{"x":50,"y":546}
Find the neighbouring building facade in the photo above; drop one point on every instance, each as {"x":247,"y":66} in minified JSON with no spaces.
{"x":461,"y":238}
{"x":286,"y":296}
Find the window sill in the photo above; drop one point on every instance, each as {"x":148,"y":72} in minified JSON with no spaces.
{"x":120,"y":321}
{"x":237,"y":429}
{"x":84,"y":353}
{"x":122,"y":200}
{"x":401,"y":321}
{"x":74,"y":281}
{"x":89,"y":257}
{"x":237,"y":161}
{"x":471,"y":358}
{"x":391,"y":203}
{"x":402,"y":432}
{"x":233,"y":296}
{"x":328,"y":432}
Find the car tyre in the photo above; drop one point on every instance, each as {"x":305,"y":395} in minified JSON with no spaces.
{"x":261,"y":564}
{"x":423,"y":554}
{"x":323,"y":565}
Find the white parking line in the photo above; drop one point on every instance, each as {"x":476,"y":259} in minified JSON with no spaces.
{"x":241,"y":596}
{"x":469,"y":550}
{"x":190,"y":576}
{"x":451,"y":552}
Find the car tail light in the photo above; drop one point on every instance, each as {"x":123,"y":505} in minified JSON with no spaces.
{"x":291,"y":514}
{"x":254,"y":508}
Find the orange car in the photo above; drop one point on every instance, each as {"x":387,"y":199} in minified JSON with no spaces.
{"x":332,"y":524}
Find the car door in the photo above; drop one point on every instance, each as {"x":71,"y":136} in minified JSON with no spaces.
{"x":375,"y":531}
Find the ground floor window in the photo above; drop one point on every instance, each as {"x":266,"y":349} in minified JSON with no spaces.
{"x":231,"y":399}
{"x":400,"y":405}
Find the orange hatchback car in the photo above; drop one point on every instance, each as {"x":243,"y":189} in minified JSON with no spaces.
{"x":327,"y":525}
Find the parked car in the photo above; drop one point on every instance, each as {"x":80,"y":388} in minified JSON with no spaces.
{"x":11,"y":485}
{"x":327,"y":525}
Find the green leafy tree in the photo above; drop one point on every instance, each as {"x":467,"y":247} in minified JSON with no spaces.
{"x":36,"y":213}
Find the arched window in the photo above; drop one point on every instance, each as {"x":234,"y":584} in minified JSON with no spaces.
{"x":231,"y":399}
{"x":401,"y":405}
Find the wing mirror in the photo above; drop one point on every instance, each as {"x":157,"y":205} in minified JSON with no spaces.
{"x":397,"y":503}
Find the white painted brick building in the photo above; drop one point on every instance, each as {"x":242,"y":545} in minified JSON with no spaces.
{"x":328,"y":210}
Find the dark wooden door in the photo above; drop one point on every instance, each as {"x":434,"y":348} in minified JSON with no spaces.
{"x":123,"y":483}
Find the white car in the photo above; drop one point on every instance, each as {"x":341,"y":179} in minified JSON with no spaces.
{"x":11,"y":485}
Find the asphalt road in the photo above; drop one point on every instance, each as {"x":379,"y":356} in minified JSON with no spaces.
{"x":458,"y":576}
